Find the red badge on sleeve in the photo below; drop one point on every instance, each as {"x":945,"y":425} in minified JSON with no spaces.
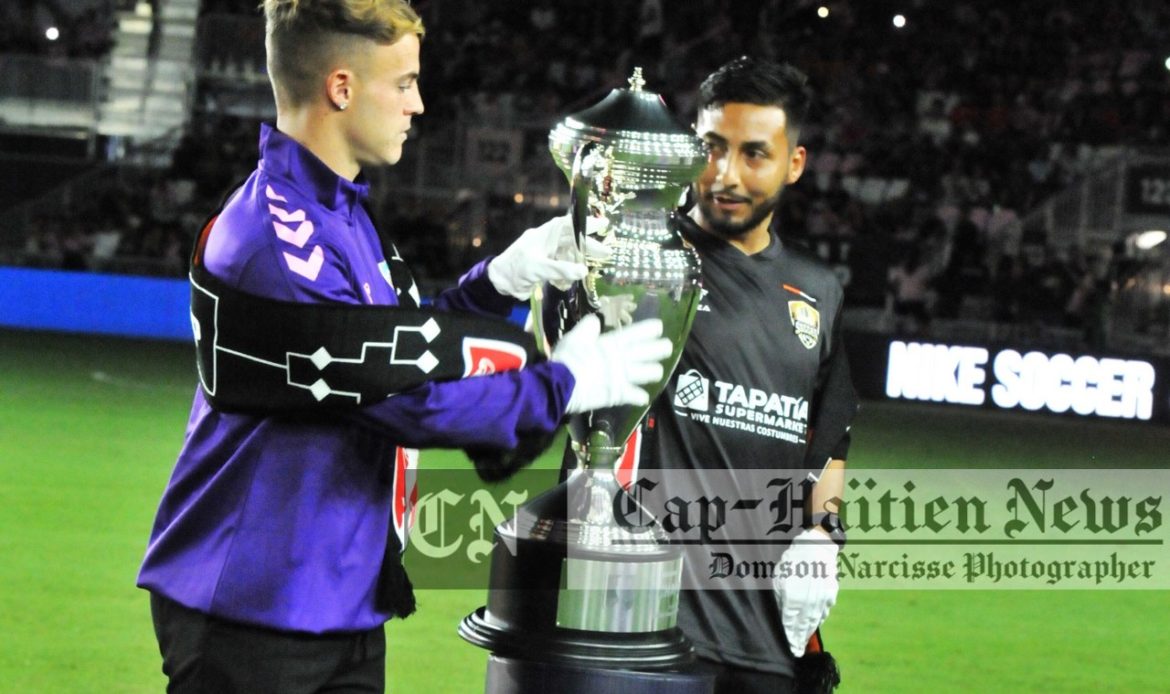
{"x":482,"y":357}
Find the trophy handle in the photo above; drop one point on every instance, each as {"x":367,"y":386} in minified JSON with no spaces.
{"x":580,"y":182}
{"x":536,"y":319}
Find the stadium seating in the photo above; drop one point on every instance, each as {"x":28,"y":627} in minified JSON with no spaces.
{"x":972,"y":113}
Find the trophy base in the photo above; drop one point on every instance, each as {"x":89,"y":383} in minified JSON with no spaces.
{"x":655,"y":650}
{"x":518,"y":676}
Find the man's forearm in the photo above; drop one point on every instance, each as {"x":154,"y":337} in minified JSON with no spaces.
{"x":830,"y":490}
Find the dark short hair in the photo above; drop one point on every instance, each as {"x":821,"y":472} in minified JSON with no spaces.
{"x":748,"y":80}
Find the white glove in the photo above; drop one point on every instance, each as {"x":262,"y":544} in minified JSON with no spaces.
{"x":805,"y":602}
{"x":609,"y":368}
{"x":547,"y":253}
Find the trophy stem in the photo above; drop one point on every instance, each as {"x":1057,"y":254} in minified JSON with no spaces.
{"x":598,"y":454}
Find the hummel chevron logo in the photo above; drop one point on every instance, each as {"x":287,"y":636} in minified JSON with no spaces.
{"x":310,"y":268}
{"x":298,"y":237}
{"x":286,"y":216}
{"x":272,"y":195}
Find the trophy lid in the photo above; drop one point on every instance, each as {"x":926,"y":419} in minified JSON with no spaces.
{"x":650,"y":148}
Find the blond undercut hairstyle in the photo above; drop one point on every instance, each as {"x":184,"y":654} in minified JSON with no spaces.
{"x":304,"y":37}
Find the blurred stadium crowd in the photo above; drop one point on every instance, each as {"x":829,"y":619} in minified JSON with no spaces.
{"x":932,"y":142}
{"x":87,"y":33}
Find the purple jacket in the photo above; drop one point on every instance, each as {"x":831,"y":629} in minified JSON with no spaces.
{"x":284,"y":523}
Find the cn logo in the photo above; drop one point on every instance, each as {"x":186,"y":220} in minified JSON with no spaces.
{"x":692,"y":391}
{"x":483,"y":357}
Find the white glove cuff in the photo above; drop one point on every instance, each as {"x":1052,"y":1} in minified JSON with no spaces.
{"x":817,"y":538}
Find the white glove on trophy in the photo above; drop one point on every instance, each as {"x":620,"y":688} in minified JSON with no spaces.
{"x":609,"y":368}
{"x":805,"y":601}
{"x":547,"y":253}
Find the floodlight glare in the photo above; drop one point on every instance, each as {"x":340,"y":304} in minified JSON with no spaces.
{"x":823,"y":12}
{"x":1146,"y":240}
{"x":52,"y":33}
{"x":899,"y":21}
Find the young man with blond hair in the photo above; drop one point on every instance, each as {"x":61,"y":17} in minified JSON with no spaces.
{"x":274,"y":560}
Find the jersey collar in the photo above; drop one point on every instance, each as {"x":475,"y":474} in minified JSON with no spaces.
{"x":282,"y":156}
{"x":715,"y":244}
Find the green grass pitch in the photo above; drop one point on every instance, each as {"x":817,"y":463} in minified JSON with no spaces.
{"x":89,"y":428}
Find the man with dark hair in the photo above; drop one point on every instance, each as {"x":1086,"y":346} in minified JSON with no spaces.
{"x":769,"y":324}
{"x":761,"y":99}
{"x":273,"y":562}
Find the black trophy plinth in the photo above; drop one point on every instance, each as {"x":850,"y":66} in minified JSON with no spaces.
{"x":510,"y":676}
{"x":575,"y":597}
{"x":567,"y":583}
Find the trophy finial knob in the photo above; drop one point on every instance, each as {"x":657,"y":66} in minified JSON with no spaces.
{"x":636,"y":82}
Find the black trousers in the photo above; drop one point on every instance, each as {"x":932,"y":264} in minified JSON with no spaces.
{"x":205,"y":655}
{"x":730,"y":679}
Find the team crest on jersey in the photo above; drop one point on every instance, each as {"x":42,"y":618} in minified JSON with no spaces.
{"x":806,"y":322}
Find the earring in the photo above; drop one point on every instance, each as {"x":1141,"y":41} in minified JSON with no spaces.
{"x":343,"y":105}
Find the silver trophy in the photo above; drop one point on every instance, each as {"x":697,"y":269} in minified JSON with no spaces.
{"x":569,"y":582}
{"x":629,"y":161}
